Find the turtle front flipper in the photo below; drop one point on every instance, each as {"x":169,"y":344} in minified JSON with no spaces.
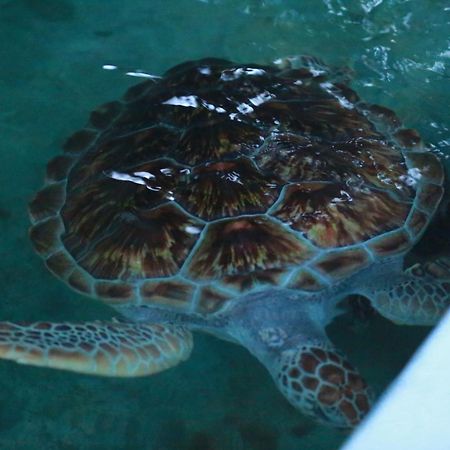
{"x":417,"y":296}
{"x":320,"y":382}
{"x":292,"y":343}
{"x":98,"y":348}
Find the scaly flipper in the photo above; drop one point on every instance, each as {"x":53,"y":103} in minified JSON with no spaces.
{"x":98,"y":348}
{"x":419,"y":296}
{"x":319,"y":381}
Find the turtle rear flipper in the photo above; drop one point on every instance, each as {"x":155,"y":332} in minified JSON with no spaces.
{"x":418,"y":296}
{"x":97,"y":348}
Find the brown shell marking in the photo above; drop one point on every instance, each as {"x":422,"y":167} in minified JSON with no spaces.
{"x":391,"y":243}
{"x":212,"y":142}
{"x":80,"y":281}
{"x":334,"y":214}
{"x":138,"y":90}
{"x":128,"y":153}
{"x":227,"y":188}
{"x":58,"y":168}
{"x":132,"y":245}
{"x":409,"y":138}
{"x":343,"y":263}
{"x":354,"y":161}
{"x":80,"y":141}
{"x":306,"y":280}
{"x":173,"y":293}
{"x":212,"y":300}
{"x":47,"y":202}
{"x":428,"y":165}
{"x":45,"y":236}
{"x":376,"y":162}
{"x":429,"y":196}
{"x":60,"y":264}
{"x":114,"y":292}
{"x":385,"y":116}
{"x":292,"y":157}
{"x":315,"y":112}
{"x":240,"y":246}
{"x":115,"y":197}
{"x":245,"y":282}
{"x":102,"y":117}
{"x":417,"y":221}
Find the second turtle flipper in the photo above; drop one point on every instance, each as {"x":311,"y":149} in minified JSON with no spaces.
{"x":98,"y":348}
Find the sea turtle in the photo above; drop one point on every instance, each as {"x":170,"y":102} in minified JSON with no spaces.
{"x":246,"y":201}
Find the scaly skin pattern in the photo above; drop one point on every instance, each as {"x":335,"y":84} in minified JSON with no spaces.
{"x":108,"y":349}
{"x":321,"y":383}
{"x":418,"y":296}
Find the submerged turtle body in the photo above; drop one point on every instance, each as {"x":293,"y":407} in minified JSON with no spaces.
{"x":245,"y":201}
{"x":221,"y":178}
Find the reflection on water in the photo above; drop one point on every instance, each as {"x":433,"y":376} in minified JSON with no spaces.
{"x":398,"y":53}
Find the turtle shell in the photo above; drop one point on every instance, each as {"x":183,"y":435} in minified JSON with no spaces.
{"x":220,"y":178}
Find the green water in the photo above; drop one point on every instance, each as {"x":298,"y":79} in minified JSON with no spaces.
{"x":51,"y":76}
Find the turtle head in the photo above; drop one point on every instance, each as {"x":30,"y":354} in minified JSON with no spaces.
{"x":319,"y":382}
{"x":285,"y":331}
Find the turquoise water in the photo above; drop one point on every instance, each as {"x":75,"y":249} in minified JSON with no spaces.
{"x":51,"y":76}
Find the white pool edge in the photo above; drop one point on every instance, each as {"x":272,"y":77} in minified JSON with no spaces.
{"x":414,"y":413}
